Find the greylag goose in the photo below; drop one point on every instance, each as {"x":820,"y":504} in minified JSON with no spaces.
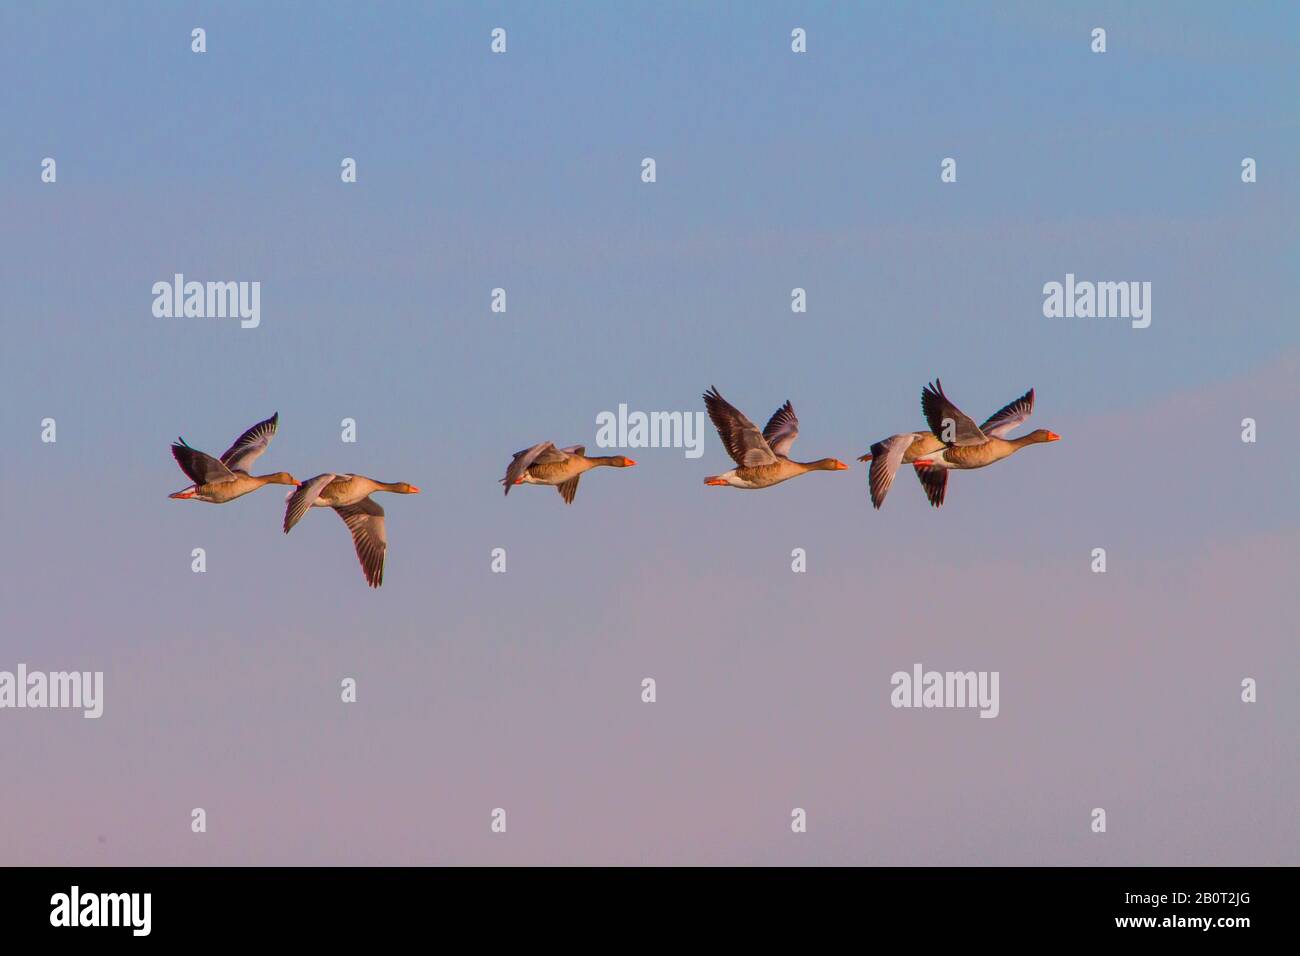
{"x":349,"y":496}
{"x":544,"y":464}
{"x":217,"y":481}
{"x":967,"y":445}
{"x":915,"y":448}
{"x":886,"y":455}
{"x":761,"y":457}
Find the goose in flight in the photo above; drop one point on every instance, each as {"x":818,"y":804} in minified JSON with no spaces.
{"x":544,"y":464}
{"x":349,"y":496}
{"x":967,"y":445}
{"x":762,"y":458}
{"x":218,"y":480}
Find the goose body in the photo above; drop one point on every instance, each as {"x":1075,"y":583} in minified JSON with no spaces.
{"x":544,"y":464}
{"x":762,"y":458}
{"x":218,"y":480}
{"x":964,"y":457}
{"x":349,"y":496}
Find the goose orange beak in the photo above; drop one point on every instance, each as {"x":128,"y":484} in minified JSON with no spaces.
{"x":714,"y":481}
{"x":182,"y":494}
{"x":840,"y":466}
{"x":630,"y":463}
{"x":922,"y":462}
{"x":1052,"y":436}
{"x":414,"y":490}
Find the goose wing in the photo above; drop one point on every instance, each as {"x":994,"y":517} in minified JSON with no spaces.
{"x":742,"y":439}
{"x":542,"y":453}
{"x":948,"y":422}
{"x":201,"y":467}
{"x":1010,"y":416}
{"x":568,"y":489}
{"x":365,"y":520}
{"x":248,"y":446}
{"x":301,"y":500}
{"x":886,"y":456}
{"x":934,"y":480}
{"x":781,"y":430}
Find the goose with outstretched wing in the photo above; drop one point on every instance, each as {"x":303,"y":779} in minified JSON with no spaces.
{"x":966,"y":445}
{"x":218,"y":480}
{"x":349,"y":496}
{"x":762,"y":458}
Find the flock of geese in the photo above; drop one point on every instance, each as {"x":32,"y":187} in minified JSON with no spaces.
{"x":219,"y":480}
{"x":953,"y":442}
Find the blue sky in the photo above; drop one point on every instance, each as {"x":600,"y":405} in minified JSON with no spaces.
{"x":522,"y":171}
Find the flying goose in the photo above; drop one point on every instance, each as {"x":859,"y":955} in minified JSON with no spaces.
{"x":349,"y":496}
{"x":217,"y":481}
{"x":761,"y":457}
{"x":967,"y":445}
{"x":544,"y":464}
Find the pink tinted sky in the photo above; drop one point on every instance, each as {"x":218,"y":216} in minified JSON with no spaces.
{"x":1118,"y":690}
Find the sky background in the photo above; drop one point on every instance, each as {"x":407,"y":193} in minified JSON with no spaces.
{"x":522,"y":690}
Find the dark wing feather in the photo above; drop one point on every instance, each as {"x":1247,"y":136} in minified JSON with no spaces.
{"x":742,"y":439}
{"x":946,"y":419}
{"x":201,"y":468}
{"x":935,"y":482}
{"x":568,"y":489}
